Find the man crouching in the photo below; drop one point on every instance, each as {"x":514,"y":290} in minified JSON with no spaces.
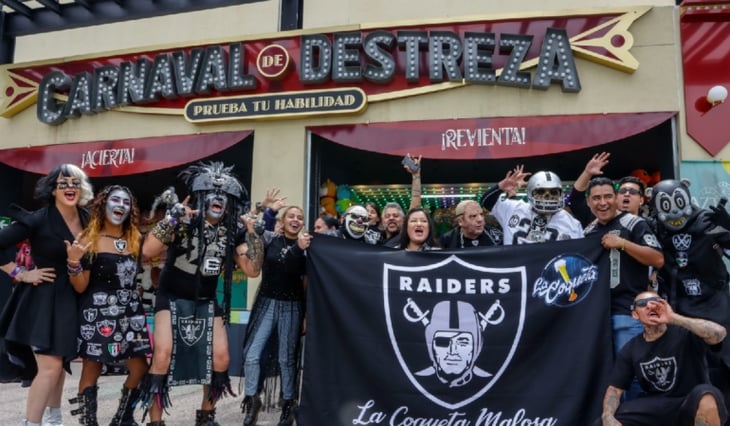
{"x":668,"y":359}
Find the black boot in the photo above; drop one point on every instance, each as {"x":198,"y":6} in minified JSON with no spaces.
{"x":287,"y":413}
{"x":205,"y":418}
{"x":251,"y":406}
{"x":87,"y":406}
{"x":125,"y":411}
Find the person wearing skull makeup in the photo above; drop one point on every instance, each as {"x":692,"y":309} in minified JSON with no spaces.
{"x":278,"y":310}
{"x":191,"y":345}
{"x":102,"y":267}
{"x":694,"y":276}
{"x":542,"y":218}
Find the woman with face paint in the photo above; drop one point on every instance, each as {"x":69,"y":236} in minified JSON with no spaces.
{"x":102,"y":266}
{"x":36,"y":325}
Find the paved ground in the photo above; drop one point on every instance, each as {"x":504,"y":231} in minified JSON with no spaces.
{"x":185,"y":400}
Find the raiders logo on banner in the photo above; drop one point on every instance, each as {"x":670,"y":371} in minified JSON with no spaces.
{"x":432,"y":305}
{"x":503,"y":336}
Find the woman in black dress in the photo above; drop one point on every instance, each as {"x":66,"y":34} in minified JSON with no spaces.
{"x":38,"y":323}
{"x":102,"y":266}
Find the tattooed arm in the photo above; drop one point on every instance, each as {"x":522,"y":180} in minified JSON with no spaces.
{"x":250,"y":254}
{"x":711,"y":332}
{"x":611,"y":401}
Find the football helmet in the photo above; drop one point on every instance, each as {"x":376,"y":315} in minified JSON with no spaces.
{"x":545,"y":192}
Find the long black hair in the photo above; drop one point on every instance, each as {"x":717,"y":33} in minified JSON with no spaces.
{"x":404,"y":239}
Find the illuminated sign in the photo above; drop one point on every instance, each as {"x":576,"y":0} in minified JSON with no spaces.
{"x":384,"y":63}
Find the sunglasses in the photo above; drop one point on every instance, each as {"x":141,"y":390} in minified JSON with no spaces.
{"x":64,"y":184}
{"x":542,"y":191}
{"x":631,"y":191}
{"x":641,"y":303}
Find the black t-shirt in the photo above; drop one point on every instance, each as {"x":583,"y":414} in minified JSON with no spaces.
{"x":669,"y":366}
{"x":629,"y":277}
{"x":282,"y":275}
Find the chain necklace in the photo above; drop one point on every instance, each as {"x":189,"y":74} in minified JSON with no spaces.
{"x":119,"y":243}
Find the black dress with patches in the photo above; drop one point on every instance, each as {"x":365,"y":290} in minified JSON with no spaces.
{"x":112,"y":321}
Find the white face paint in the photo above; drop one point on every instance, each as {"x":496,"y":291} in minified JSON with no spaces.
{"x":118,"y":206}
{"x":215,"y":205}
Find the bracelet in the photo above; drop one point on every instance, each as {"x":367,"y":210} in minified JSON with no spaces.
{"x":73,"y":262}
{"x":623,"y":244}
{"x":74,"y":270}
{"x":164,"y":230}
{"x":16,"y":273}
{"x":18,"y":269}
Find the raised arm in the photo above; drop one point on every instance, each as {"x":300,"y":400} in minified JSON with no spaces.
{"x":416,"y":189}
{"x":711,"y":332}
{"x":512,"y":182}
{"x":250,"y":254}
{"x":594,"y":167}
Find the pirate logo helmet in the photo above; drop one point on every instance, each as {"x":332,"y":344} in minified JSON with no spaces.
{"x":454,"y":341}
{"x":672,"y":203}
{"x":545,"y":192}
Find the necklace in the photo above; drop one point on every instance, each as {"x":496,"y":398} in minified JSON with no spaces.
{"x":119,"y":243}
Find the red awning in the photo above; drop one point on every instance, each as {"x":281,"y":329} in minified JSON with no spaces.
{"x":125,"y":156}
{"x":490,"y":138}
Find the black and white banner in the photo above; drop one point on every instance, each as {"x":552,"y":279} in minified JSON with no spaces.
{"x":501,"y":336}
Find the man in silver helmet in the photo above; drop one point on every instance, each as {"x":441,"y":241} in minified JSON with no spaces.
{"x":541,"y":218}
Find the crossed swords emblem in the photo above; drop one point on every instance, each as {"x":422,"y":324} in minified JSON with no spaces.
{"x":413,"y":313}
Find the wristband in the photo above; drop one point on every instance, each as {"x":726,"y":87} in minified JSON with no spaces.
{"x":14,"y":274}
{"x":74,"y":270}
{"x":623,"y":244}
{"x":164,"y":230}
{"x":18,"y":269}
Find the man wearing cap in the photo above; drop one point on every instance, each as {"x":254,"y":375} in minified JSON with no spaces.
{"x":668,"y":359}
{"x":471,"y":228}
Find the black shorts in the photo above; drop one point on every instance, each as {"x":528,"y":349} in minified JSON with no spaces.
{"x":664,"y":411}
{"x":162,"y":303}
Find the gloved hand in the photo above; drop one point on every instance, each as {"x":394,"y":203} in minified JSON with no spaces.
{"x":720,"y":216}
{"x":176,"y":211}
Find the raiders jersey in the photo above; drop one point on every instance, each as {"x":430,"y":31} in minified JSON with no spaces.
{"x":521,"y":225}
{"x":628,"y":276}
